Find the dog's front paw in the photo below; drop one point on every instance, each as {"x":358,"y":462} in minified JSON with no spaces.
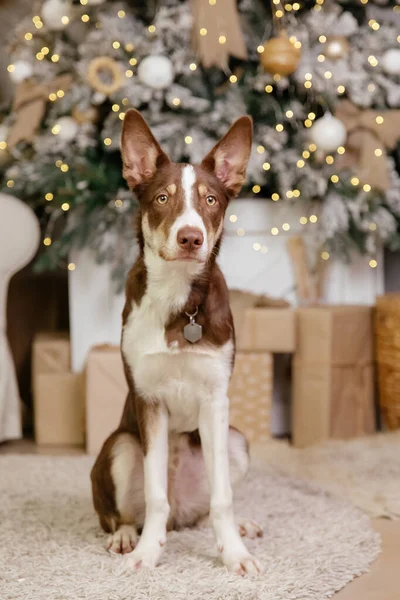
{"x":145,"y":556}
{"x":242,"y":563}
{"x":238,"y":559}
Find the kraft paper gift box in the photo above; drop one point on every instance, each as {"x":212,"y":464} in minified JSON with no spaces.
{"x":51,"y":353}
{"x":58,"y":398}
{"x":106,"y":391}
{"x":267,"y":330}
{"x":250,"y":395}
{"x":59,"y":409}
{"x":268,"y":325}
{"x":333,"y":374}
{"x":262,"y":324}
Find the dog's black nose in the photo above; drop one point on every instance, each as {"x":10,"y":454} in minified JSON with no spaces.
{"x":190,"y":238}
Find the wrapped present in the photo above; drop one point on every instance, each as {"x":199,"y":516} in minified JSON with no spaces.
{"x":51,"y":353}
{"x":58,"y":409}
{"x":387,"y":336}
{"x":250,"y":394}
{"x":58,"y":400}
{"x":267,"y":330}
{"x":106,"y":391}
{"x":268,"y":325}
{"x":262,"y":324}
{"x":333,"y":374}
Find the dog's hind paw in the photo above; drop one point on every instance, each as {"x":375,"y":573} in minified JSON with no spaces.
{"x":250,"y":529}
{"x":123,"y":540}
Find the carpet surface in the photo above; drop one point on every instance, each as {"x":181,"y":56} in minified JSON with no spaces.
{"x":51,"y":546}
{"x":365,"y":471}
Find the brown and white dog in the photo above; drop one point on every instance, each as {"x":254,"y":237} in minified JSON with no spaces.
{"x":170,"y":462}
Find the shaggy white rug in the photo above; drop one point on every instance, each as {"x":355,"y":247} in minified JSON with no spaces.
{"x":365,"y":471}
{"x":51,"y":546}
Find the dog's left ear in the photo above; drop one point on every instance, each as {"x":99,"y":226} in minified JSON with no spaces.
{"x":229,"y":157}
{"x":141,"y":153}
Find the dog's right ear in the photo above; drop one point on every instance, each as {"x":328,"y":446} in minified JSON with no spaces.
{"x":141,"y":153}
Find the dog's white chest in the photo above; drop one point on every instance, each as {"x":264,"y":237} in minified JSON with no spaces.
{"x":182,"y":379}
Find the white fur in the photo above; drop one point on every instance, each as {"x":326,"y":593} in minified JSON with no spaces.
{"x":188,"y":180}
{"x":153,"y":538}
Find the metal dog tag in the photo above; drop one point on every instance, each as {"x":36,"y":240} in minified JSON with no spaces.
{"x":192,"y":332}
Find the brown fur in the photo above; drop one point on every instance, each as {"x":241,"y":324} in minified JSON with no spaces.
{"x":210,"y":296}
{"x":103,"y":490}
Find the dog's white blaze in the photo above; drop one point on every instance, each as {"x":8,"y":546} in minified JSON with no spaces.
{"x":189,"y":217}
{"x":188,"y":180}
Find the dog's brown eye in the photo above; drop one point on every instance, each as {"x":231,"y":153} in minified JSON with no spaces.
{"x":211,"y":200}
{"x":162,"y":199}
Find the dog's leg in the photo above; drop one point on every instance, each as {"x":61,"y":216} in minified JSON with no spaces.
{"x":239,"y":461}
{"x":117,"y":483}
{"x":127,"y":476}
{"x":238,"y":466}
{"x":214,"y":428}
{"x":154,"y":436}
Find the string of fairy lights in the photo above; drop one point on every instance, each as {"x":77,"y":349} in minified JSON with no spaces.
{"x":279,"y":10}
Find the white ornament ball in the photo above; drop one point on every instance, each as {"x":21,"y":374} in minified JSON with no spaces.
{"x":391,"y":61}
{"x":66,"y":128}
{"x":328,"y":133}
{"x":156,"y":71}
{"x":98,"y":98}
{"x":95,"y":2}
{"x":53,"y":12}
{"x":22,"y":70}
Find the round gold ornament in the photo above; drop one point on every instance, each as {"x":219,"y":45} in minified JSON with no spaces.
{"x":336,"y":47}
{"x":280,"y":57}
{"x":111,"y":69}
{"x":88,"y":115}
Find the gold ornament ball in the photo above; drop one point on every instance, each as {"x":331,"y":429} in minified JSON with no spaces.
{"x":88,"y":115}
{"x":336,"y":47}
{"x":280,"y":57}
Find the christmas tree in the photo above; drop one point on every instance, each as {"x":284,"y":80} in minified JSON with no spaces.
{"x":321,"y":81}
